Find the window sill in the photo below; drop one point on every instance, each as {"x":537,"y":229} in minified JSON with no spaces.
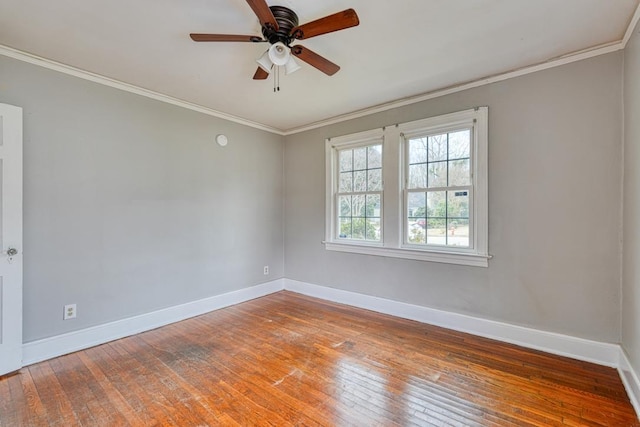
{"x":469,"y":259}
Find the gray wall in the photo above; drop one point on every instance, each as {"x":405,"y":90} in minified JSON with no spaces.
{"x":555,"y":150}
{"x":631,"y":249}
{"x":130,"y":205}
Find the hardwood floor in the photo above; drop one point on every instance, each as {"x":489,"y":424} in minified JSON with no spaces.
{"x":287,"y":359}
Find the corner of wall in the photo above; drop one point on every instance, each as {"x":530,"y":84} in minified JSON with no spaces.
{"x":630,"y":380}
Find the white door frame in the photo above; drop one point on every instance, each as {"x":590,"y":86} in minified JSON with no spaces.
{"x":11,"y":238}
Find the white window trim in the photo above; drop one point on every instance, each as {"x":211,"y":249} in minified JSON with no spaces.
{"x":393,"y":241}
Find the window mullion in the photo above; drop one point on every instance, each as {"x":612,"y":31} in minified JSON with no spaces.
{"x":425,"y":190}
{"x":359,"y":193}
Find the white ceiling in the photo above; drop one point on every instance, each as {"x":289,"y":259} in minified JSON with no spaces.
{"x":400,"y":49}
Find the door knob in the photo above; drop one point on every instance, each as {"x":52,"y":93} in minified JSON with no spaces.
{"x":12,"y":252}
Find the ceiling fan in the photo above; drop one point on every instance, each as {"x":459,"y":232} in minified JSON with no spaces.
{"x":280,"y":28}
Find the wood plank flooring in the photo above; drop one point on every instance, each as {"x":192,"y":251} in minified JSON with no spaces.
{"x":291,"y":360}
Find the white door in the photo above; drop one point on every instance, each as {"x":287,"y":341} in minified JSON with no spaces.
{"x":10,"y":238}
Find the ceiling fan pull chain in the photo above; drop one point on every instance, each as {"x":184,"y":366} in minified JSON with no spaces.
{"x":276,"y":79}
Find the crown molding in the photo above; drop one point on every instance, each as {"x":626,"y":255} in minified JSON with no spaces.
{"x":107,"y":81}
{"x":552,"y":63}
{"x":631,"y":28}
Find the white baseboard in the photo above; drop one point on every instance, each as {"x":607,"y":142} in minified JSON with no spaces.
{"x":611,"y":355}
{"x":606,"y":354}
{"x":563,"y":345}
{"x":630,"y":380}
{"x":47,"y":348}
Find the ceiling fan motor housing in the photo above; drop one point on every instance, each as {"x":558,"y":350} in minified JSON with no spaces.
{"x":280,"y":28}
{"x":287,"y":20}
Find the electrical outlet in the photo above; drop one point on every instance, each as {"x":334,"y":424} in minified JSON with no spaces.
{"x":266,"y":270}
{"x":69,"y":312}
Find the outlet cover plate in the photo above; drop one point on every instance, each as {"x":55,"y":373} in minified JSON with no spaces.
{"x":70,"y":312}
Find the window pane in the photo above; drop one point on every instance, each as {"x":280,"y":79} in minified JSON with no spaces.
{"x":458,"y":219}
{"x":358,"y":228}
{"x":345,"y":182}
{"x":436,"y":233}
{"x":416,"y":233}
{"x":437,"y":174}
{"x":360,"y":169}
{"x":459,"y":172}
{"x":416,"y":218}
{"x":418,"y":176}
{"x":416,"y":205}
{"x":459,"y":143}
{"x":373,"y":229}
{"x":360,"y":181}
{"x":437,"y":147}
{"x":345,"y":206}
{"x":360,"y":158}
{"x":458,"y":204}
{"x":358,"y":206}
{"x":443,"y":220}
{"x":346,"y":157}
{"x":439,"y":217}
{"x":375,"y":156}
{"x":437,"y":204}
{"x":372,"y":206}
{"x":359,"y":216}
{"x":345,"y":228}
{"x":418,"y":150}
{"x":458,"y":233}
{"x":375,"y":180}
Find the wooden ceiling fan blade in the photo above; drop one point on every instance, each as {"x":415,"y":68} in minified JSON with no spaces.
{"x":315,"y":60}
{"x":264,"y":14}
{"x":224,"y":38}
{"x":336,"y":22}
{"x":260,"y":74}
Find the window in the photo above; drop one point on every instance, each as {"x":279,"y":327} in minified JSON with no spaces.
{"x":360,"y":192}
{"x":438,"y":189}
{"x":356,"y":182}
{"x":435,"y":201}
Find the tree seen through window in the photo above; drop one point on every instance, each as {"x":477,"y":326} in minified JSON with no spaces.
{"x":360,"y":193}
{"x":439,"y":189}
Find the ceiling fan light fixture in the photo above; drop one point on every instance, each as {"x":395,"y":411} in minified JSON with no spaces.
{"x":279,"y":54}
{"x":265,"y":62}
{"x":291,"y":66}
{"x":280,"y":28}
